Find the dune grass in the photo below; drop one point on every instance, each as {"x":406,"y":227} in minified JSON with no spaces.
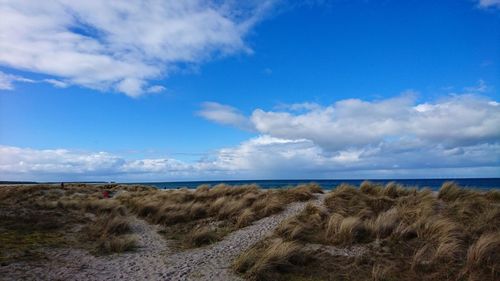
{"x":205,"y":215}
{"x":405,"y":234}
{"x":36,"y":217}
{"x":110,"y":232}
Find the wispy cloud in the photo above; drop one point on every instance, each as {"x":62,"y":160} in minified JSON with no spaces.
{"x":156,"y":89}
{"x":489,"y":3}
{"x":7,"y":80}
{"x":225,"y":114}
{"x":481,"y":87}
{"x":121,"y":44}
{"x":57,"y":83}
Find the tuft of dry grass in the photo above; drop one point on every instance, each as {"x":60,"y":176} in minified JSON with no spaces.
{"x":304,"y":226}
{"x":109,"y":231}
{"x":200,"y":236}
{"x":483,"y":257}
{"x":385,"y":223}
{"x":351,"y":230}
{"x":450,"y":191}
{"x":116,"y":244}
{"x":246,"y":217}
{"x":275,"y":256}
{"x":370,"y":188}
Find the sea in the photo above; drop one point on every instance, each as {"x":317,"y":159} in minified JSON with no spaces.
{"x":434,"y":184}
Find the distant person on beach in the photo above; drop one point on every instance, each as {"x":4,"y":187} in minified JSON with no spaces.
{"x":62,"y":184}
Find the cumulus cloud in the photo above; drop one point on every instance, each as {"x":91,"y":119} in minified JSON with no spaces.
{"x":258,"y":158}
{"x":58,"y":164}
{"x":489,"y":3}
{"x":353,"y":123}
{"x":392,"y":134}
{"x":121,"y":44}
{"x":455,"y":136}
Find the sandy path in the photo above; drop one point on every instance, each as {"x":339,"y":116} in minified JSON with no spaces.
{"x":152,"y":260}
{"x":213,"y":262}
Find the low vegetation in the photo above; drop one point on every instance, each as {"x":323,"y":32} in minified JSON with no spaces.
{"x":98,"y":218}
{"x":207,"y":214}
{"x":370,"y":232}
{"x":387,"y":232}
{"x":109,"y":231}
{"x":34,"y":218}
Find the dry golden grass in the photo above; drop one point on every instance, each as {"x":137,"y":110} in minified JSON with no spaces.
{"x":278,"y":255}
{"x":483,"y":257}
{"x":116,"y":244}
{"x":200,"y":236}
{"x":36,"y":217}
{"x":238,"y":206}
{"x":108,"y":232}
{"x":304,"y":226}
{"x":406,"y":234}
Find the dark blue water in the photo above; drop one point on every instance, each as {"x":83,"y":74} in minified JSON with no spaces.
{"x":434,"y":184}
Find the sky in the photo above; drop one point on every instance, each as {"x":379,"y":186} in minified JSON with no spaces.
{"x":150,"y":90}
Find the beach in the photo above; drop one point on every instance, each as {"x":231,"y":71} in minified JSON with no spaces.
{"x":133,"y":232}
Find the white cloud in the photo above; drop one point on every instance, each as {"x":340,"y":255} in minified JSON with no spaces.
{"x":258,"y":158}
{"x":59,"y":164}
{"x":397,"y":137}
{"x":7,"y":80}
{"x":56,"y":83}
{"x":224,"y":114}
{"x":489,"y":3}
{"x":156,"y":89}
{"x":121,"y":44}
{"x":393,"y":134}
{"x":353,"y":123}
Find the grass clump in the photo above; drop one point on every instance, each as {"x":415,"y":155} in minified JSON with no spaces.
{"x":109,"y":233}
{"x":276,"y":255}
{"x":483,"y":258}
{"x":116,"y":244}
{"x":201,"y":236}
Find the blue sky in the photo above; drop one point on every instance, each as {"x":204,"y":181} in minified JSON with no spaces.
{"x":269,"y":89}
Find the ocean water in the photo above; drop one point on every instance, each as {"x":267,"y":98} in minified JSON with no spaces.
{"x":434,"y":184}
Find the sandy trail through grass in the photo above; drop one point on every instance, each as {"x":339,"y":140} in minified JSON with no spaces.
{"x":213,"y":262}
{"x":153,"y":260}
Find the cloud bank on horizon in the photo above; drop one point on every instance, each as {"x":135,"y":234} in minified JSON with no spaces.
{"x":119,"y":45}
{"x":455,"y":136}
